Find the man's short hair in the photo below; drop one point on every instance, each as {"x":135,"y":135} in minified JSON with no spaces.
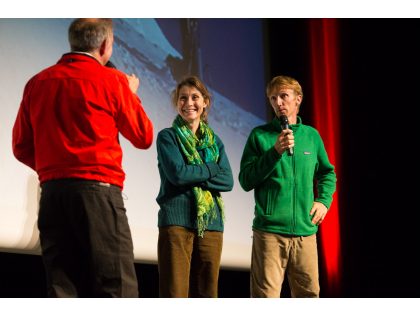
{"x":87,"y":35}
{"x":284,"y":82}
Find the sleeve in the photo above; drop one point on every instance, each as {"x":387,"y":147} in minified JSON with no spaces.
{"x":256,"y":164}
{"x":132,"y":120}
{"x":325,"y":177}
{"x":172,"y":163}
{"x":22,"y":133}
{"x":223,"y":180}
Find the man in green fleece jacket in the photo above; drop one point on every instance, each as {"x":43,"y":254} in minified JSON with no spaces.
{"x":283,"y":163}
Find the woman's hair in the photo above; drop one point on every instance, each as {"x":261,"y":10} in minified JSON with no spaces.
{"x":284,"y":82}
{"x":194,"y":82}
{"x":87,"y":35}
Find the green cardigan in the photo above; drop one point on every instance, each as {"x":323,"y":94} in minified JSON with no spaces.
{"x":283,"y":184}
{"x":177,"y":178}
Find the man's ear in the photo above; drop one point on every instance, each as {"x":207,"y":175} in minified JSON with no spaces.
{"x":298,"y":103}
{"x":102,"y":48}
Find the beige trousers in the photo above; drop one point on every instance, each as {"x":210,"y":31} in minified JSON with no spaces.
{"x":274,"y":256}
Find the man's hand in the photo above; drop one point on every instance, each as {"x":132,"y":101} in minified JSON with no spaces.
{"x":319,"y":211}
{"x":133,"y":82}
{"x":285,"y":141}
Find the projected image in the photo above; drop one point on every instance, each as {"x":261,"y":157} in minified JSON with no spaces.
{"x":163,"y":51}
{"x":227,"y":54}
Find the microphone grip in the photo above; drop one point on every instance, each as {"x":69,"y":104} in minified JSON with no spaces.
{"x":284,"y":122}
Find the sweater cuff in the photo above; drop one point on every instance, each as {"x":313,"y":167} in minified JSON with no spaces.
{"x":274,"y":155}
{"x":326,"y":202}
{"x":213,"y":168}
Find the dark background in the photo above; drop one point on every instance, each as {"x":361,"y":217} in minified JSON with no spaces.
{"x":379,"y":209}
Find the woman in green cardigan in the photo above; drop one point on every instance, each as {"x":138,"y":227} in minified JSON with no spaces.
{"x":193,"y":169}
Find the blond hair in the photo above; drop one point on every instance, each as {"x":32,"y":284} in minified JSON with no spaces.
{"x":284,"y":82}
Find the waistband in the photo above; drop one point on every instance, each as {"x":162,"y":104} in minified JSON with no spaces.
{"x":75,"y":181}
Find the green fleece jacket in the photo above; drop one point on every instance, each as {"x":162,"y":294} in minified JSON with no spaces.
{"x":177,"y":178}
{"x":284,"y":185}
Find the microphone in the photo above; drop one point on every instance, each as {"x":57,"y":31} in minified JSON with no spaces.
{"x":110,"y":64}
{"x":284,"y":123}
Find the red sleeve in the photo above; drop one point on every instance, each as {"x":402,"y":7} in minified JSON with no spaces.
{"x":132,"y":121}
{"x":22,"y":137}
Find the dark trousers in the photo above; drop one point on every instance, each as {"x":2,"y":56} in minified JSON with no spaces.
{"x":188,"y":264}
{"x":86,"y":242}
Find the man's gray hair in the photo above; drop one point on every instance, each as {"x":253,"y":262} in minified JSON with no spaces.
{"x":87,"y":35}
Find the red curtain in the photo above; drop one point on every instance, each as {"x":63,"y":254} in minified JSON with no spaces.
{"x":324,"y":64}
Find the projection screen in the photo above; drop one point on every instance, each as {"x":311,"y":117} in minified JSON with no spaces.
{"x":228,"y":54}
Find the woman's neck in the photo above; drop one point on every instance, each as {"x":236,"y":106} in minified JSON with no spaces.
{"x":193,"y":126}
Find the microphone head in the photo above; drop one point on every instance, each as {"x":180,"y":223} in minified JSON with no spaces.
{"x":284,"y":122}
{"x":110,"y":64}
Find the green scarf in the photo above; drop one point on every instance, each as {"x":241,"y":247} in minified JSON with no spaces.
{"x":190,"y":144}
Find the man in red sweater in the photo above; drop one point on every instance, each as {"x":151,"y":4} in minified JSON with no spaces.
{"x":67,"y":130}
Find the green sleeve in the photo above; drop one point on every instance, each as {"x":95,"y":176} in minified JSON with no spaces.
{"x":223,"y":181}
{"x":176,"y":169}
{"x":325,"y":177}
{"x":256,"y":164}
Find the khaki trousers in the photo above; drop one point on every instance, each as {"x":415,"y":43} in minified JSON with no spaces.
{"x":188,"y":264}
{"x":274,"y":256}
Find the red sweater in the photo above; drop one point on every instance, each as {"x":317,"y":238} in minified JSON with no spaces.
{"x":70,"y":117}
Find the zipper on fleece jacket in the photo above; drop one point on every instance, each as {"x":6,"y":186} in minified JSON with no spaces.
{"x":293,"y":193}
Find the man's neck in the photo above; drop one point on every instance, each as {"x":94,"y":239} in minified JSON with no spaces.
{"x":96,"y":56}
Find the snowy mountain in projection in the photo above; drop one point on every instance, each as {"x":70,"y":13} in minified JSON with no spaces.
{"x":140,"y":47}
